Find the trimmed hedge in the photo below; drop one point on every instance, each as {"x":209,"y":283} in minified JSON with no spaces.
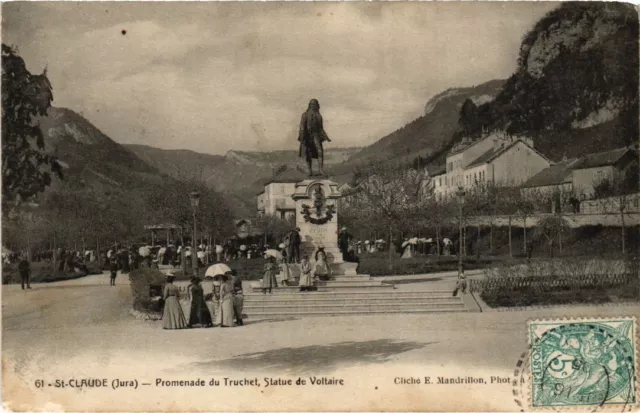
{"x":42,"y":272}
{"x":377,"y":264}
{"x":141,"y":280}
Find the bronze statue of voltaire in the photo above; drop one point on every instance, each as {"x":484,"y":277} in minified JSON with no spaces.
{"x":312,"y":135}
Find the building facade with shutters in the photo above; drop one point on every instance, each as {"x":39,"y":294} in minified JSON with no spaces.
{"x":496,"y":159}
{"x":275,"y":199}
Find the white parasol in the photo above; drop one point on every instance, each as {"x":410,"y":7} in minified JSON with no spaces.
{"x":381,"y":241}
{"x":281,"y":246}
{"x":273,"y":253}
{"x":243,"y":247}
{"x":144,"y":251}
{"x":446,"y":241}
{"x":217,"y":269}
{"x":219,"y":249}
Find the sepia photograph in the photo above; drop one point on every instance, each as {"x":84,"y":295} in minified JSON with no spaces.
{"x":320,"y":206}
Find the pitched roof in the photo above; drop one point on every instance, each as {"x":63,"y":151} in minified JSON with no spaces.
{"x":554,"y":175}
{"x":493,"y":153}
{"x":435,"y":170}
{"x":486,"y":157}
{"x":289,"y":175}
{"x":593,"y":160}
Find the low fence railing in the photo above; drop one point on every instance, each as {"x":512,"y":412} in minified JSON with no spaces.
{"x":550,"y":282}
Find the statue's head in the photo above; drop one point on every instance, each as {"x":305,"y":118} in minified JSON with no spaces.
{"x":314,"y":104}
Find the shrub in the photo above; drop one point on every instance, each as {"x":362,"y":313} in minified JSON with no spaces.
{"x":559,"y":281}
{"x":141,"y":280}
{"x":43,"y":272}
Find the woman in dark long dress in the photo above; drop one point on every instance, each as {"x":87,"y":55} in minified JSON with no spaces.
{"x":199,"y":314}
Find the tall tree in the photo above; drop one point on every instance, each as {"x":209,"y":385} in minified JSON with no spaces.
{"x":26,"y":168}
{"x":392,"y":195}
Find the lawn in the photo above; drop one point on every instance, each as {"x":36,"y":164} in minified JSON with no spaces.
{"x":43,"y":272}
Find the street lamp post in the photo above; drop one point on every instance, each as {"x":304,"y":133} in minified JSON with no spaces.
{"x":195,"y":201}
{"x":460,"y":195}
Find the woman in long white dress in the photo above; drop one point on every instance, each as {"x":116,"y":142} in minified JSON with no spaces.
{"x":224,"y":316}
{"x":287,"y":279}
{"x":407,"y":253}
{"x":321,"y":268}
{"x":173,"y":317}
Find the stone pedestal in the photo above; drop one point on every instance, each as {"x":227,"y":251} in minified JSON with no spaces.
{"x":317,"y":217}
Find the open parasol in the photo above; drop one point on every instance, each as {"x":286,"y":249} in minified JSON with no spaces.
{"x":243,"y":247}
{"x":217,"y":269}
{"x":144,"y":251}
{"x":273,"y":253}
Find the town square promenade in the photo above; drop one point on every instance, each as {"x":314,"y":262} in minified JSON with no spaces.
{"x":82,"y":328}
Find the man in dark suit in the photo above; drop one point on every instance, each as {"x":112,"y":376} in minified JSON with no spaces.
{"x":294,"y":246}
{"x":25,"y":272}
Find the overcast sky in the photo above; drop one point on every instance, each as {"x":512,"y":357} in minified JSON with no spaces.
{"x":218,"y":76}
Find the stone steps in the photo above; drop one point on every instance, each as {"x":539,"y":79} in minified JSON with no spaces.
{"x":278,"y":300}
{"x":282,"y":314}
{"x":336,"y":286}
{"x":293,"y":293}
{"x":350,"y":302}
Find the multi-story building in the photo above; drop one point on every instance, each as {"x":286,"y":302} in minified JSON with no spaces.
{"x":496,"y":159}
{"x":275,"y":199}
{"x":578,"y":177}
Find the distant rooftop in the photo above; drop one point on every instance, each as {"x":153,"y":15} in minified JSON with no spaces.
{"x":594,"y":160}
{"x":434,"y":170}
{"x":493,"y":153}
{"x":289,"y":175}
{"x":554,"y":175}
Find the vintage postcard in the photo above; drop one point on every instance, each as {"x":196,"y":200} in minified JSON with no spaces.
{"x":320,"y":206}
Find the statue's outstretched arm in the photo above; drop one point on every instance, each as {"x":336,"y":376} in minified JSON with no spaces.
{"x":325,"y":137}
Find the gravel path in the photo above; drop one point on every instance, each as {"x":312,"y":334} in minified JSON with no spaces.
{"x":83,"y":328}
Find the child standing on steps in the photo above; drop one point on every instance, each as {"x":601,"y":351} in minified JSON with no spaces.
{"x":306,"y":282}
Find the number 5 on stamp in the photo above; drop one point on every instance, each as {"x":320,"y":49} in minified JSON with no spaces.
{"x":586,"y":362}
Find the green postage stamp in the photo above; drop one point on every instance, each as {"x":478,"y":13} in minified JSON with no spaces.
{"x":585,"y":362}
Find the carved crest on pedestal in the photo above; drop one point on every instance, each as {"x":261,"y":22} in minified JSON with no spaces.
{"x":323,"y":212}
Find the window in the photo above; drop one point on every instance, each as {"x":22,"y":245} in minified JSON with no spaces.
{"x":475,"y":178}
{"x":440,"y":182}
